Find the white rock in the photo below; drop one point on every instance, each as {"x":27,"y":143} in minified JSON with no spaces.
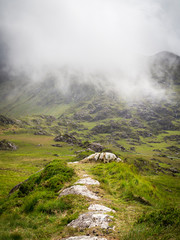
{"x":88,"y":181}
{"x":104,"y":157}
{"x":73,"y":162}
{"x":90,"y":219}
{"x":85,"y":175}
{"x":99,"y":208}
{"x":79,"y":190}
{"x":84,"y":238}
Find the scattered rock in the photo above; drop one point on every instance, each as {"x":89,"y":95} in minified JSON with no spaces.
{"x":97,"y":147}
{"x":174,"y":170}
{"x":79,"y":190}
{"x":68,"y":139}
{"x":105,"y":157}
{"x":88,"y":181}
{"x":41,"y":132}
{"x":6,"y":145}
{"x":173,"y":149}
{"x":56,"y":145}
{"x":84,"y":238}
{"x":90,"y":219}
{"x":5,"y":120}
{"x":99,"y":208}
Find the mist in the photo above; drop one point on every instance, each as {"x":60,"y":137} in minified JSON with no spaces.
{"x":105,"y":38}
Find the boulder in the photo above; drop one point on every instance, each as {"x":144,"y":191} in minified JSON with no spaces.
{"x":6,"y":145}
{"x":104,"y":157}
{"x":79,"y":190}
{"x":91,"y":219}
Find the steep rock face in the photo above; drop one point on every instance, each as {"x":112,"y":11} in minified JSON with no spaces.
{"x":104,"y":157}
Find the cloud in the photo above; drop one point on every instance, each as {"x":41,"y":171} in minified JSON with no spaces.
{"x":94,"y":35}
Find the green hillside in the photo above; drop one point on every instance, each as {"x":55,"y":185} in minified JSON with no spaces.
{"x":45,"y":131}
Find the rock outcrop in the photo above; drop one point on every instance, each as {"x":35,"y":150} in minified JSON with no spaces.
{"x":5,"y":120}
{"x":104,"y":157}
{"x":68,"y":139}
{"x":79,"y":190}
{"x":6,"y":145}
{"x":97,"y":147}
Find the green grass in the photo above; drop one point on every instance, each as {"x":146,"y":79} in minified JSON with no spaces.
{"x":16,"y":166}
{"x":34,"y":211}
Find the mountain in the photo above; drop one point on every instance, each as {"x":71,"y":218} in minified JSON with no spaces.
{"x":21,"y":96}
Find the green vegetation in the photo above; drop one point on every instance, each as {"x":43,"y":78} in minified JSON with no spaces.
{"x":34,"y":212}
{"x":144,"y":189}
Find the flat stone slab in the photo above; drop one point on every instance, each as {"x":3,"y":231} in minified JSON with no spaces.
{"x":73,"y":162}
{"x":99,"y":208}
{"x":84,"y":238}
{"x":90,"y":219}
{"x":79,"y":190}
{"x":88,"y":181}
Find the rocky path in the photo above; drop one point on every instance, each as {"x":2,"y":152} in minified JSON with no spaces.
{"x":98,"y":215}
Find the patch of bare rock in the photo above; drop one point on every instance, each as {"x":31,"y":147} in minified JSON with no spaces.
{"x":105,"y":157}
{"x":84,"y":238}
{"x":6,"y":145}
{"x":79,"y":190}
{"x":99,"y":208}
{"x":91,"y":219}
{"x":88,"y":181}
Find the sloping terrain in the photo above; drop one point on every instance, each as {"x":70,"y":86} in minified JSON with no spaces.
{"x":42,"y":129}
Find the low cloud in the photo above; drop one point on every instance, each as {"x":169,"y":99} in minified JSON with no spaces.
{"x":106,"y":37}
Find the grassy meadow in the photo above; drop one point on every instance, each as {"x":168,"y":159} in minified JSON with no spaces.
{"x":142,"y":190}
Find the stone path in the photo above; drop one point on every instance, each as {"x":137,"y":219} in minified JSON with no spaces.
{"x":97,"y":215}
{"x":87,"y":181}
{"x":79,"y":190}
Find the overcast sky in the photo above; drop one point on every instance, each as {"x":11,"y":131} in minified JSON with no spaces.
{"x":87,"y":31}
{"x":39,"y":36}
